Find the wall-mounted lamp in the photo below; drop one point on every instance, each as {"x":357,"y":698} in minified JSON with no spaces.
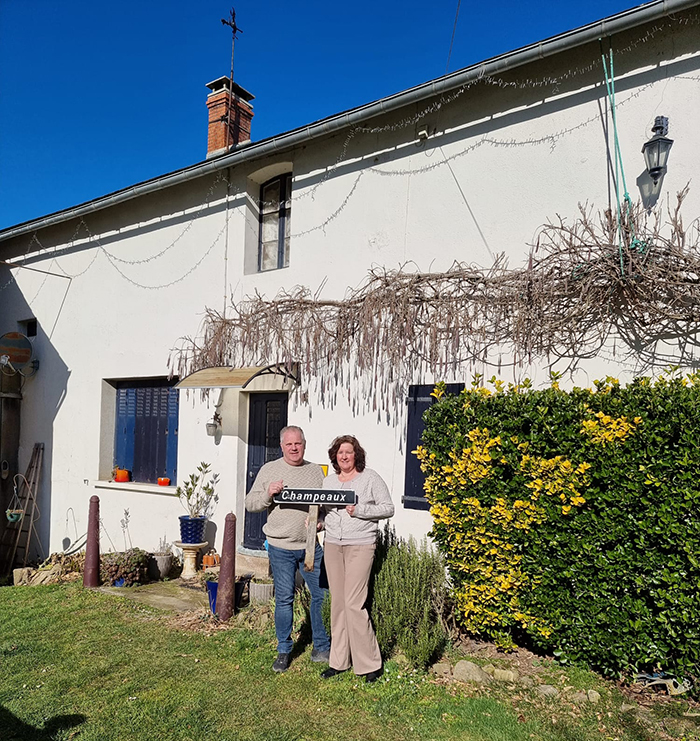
{"x":657,"y":149}
{"x":214,"y":426}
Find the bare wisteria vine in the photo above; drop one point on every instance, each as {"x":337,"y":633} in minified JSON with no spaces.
{"x":579,"y":292}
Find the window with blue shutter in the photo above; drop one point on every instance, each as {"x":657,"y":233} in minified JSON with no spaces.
{"x":419,"y":399}
{"x":145,"y":440}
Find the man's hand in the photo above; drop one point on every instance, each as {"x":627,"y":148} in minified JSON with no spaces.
{"x":350,"y":509}
{"x":275,"y":488}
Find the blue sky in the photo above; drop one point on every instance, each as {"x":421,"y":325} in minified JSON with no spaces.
{"x":96,"y":96}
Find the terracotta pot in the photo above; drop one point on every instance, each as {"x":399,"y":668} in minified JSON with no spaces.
{"x":121,"y":475}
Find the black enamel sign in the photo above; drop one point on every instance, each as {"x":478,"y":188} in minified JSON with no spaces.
{"x":329,"y":497}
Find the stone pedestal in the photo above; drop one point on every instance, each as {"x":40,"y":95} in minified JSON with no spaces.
{"x":189,"y":557}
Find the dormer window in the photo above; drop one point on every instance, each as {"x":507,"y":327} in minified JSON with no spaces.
{"x":275,"y":213}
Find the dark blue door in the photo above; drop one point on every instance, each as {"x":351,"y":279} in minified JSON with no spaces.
{"x":267,"y":416}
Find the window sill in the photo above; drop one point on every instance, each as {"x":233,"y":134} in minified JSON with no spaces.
{"x":136,"y":487}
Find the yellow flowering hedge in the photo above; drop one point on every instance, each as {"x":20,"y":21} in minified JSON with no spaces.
{"x":569,"y":520}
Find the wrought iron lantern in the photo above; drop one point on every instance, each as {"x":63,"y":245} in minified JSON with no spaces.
{"x":214,"y":426}
{"x":657,"y":149}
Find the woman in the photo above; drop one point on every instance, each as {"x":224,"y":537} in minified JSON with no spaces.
{"x":350,"y":541}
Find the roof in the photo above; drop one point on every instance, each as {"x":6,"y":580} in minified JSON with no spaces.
{"x":283,"y":142}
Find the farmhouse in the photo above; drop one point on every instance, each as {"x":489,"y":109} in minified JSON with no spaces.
{"x":331,"y":275}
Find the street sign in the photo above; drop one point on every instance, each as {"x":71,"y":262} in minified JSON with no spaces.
{"x":328,"y":497}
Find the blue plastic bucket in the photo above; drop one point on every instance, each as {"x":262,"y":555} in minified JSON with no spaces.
{"x":212,"y":589}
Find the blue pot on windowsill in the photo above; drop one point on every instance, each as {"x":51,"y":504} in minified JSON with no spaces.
{"x":192,"y":529}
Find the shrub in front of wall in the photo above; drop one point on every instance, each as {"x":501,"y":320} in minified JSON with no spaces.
{"x":408,"y":599}
{"x":571,"y":518}
{"x":128,"y":565}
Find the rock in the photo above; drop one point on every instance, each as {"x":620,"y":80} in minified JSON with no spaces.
{"x":46,"y":576}
{"x":547,"y":690}
{"x":401,"y":660}
{"x":442,"y":669}
{"x":466,"y":671}
{"x":626,"y":707}
{"x":527,"y":681}
{"x":263,"y":620}
{"x":21,"y":576}
{"x":579,"y":697}
{"x":505,"y":675}
{"x":593,"y":696}
{"x":489,"y":668}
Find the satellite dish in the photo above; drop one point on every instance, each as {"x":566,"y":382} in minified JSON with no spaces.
{"x":15,"y":351}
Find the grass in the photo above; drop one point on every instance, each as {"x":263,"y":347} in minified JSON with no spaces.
{"x":78,"y":664}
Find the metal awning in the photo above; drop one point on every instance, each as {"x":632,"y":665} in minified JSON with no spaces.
{"x":225,"y":377}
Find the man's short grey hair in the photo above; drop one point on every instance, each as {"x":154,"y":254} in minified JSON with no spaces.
{"x":291,"y":428}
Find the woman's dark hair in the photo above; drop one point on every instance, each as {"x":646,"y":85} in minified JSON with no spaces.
{"x":359,"y":452}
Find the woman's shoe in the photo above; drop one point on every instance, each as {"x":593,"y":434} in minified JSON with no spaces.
{"x":331,"y":672}
{"x":373,"y":676}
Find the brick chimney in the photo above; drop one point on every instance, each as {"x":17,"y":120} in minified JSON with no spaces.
{"x":230,"y":114}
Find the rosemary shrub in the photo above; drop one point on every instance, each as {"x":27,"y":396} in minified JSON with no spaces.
{"x":408,"y":599}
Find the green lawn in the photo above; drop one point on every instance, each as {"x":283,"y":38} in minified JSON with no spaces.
{"x":78,"y":664}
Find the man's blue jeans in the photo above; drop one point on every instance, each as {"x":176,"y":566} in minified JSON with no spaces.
{"x":284,"y":565}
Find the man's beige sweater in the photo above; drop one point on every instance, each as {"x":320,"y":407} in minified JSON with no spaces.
{"x":286,"y":523}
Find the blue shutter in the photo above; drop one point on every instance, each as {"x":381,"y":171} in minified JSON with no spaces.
{"x":419,"y":399}
{"x":124,"y":432}
{"x":171,"y":432}
{"x":145,"y":440}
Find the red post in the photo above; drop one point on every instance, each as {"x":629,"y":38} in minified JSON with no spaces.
{"x":91,"y":575}
{"x":225,"y":597}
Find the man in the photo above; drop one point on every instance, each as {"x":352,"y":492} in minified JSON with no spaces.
{"x":286,"y":537}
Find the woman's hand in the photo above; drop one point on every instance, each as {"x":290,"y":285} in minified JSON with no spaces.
{"x":350,"y":509}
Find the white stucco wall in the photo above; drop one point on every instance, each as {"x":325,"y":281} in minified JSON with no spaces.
{"x":499,"y":163}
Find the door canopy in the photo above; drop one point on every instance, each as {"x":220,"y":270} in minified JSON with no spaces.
{"x":225,"y":377}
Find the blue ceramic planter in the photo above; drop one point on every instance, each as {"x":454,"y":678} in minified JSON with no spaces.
{"x":192,"y":529}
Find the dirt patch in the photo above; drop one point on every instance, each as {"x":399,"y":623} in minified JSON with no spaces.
{"x":172,"y":596}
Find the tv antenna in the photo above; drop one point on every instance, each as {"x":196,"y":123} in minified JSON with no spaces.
{"x":231,"y":23}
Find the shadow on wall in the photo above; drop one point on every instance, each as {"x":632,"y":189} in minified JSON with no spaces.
{"x":42,"y":397}
{"x":14,"y":729}
{"x":210,"y":534}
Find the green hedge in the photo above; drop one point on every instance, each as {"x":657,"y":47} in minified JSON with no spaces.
{"x":571,"y":519}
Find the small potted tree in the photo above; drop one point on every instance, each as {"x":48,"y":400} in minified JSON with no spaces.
{"x":198,"y":496}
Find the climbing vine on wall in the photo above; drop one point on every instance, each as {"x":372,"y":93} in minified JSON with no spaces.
{"x":587,"y":285}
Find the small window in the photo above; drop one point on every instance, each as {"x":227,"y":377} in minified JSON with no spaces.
{"x":145,"y":439}
{"x":419,"y":399}
{"x":275,"y":211}
{"x":28,"y":327}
